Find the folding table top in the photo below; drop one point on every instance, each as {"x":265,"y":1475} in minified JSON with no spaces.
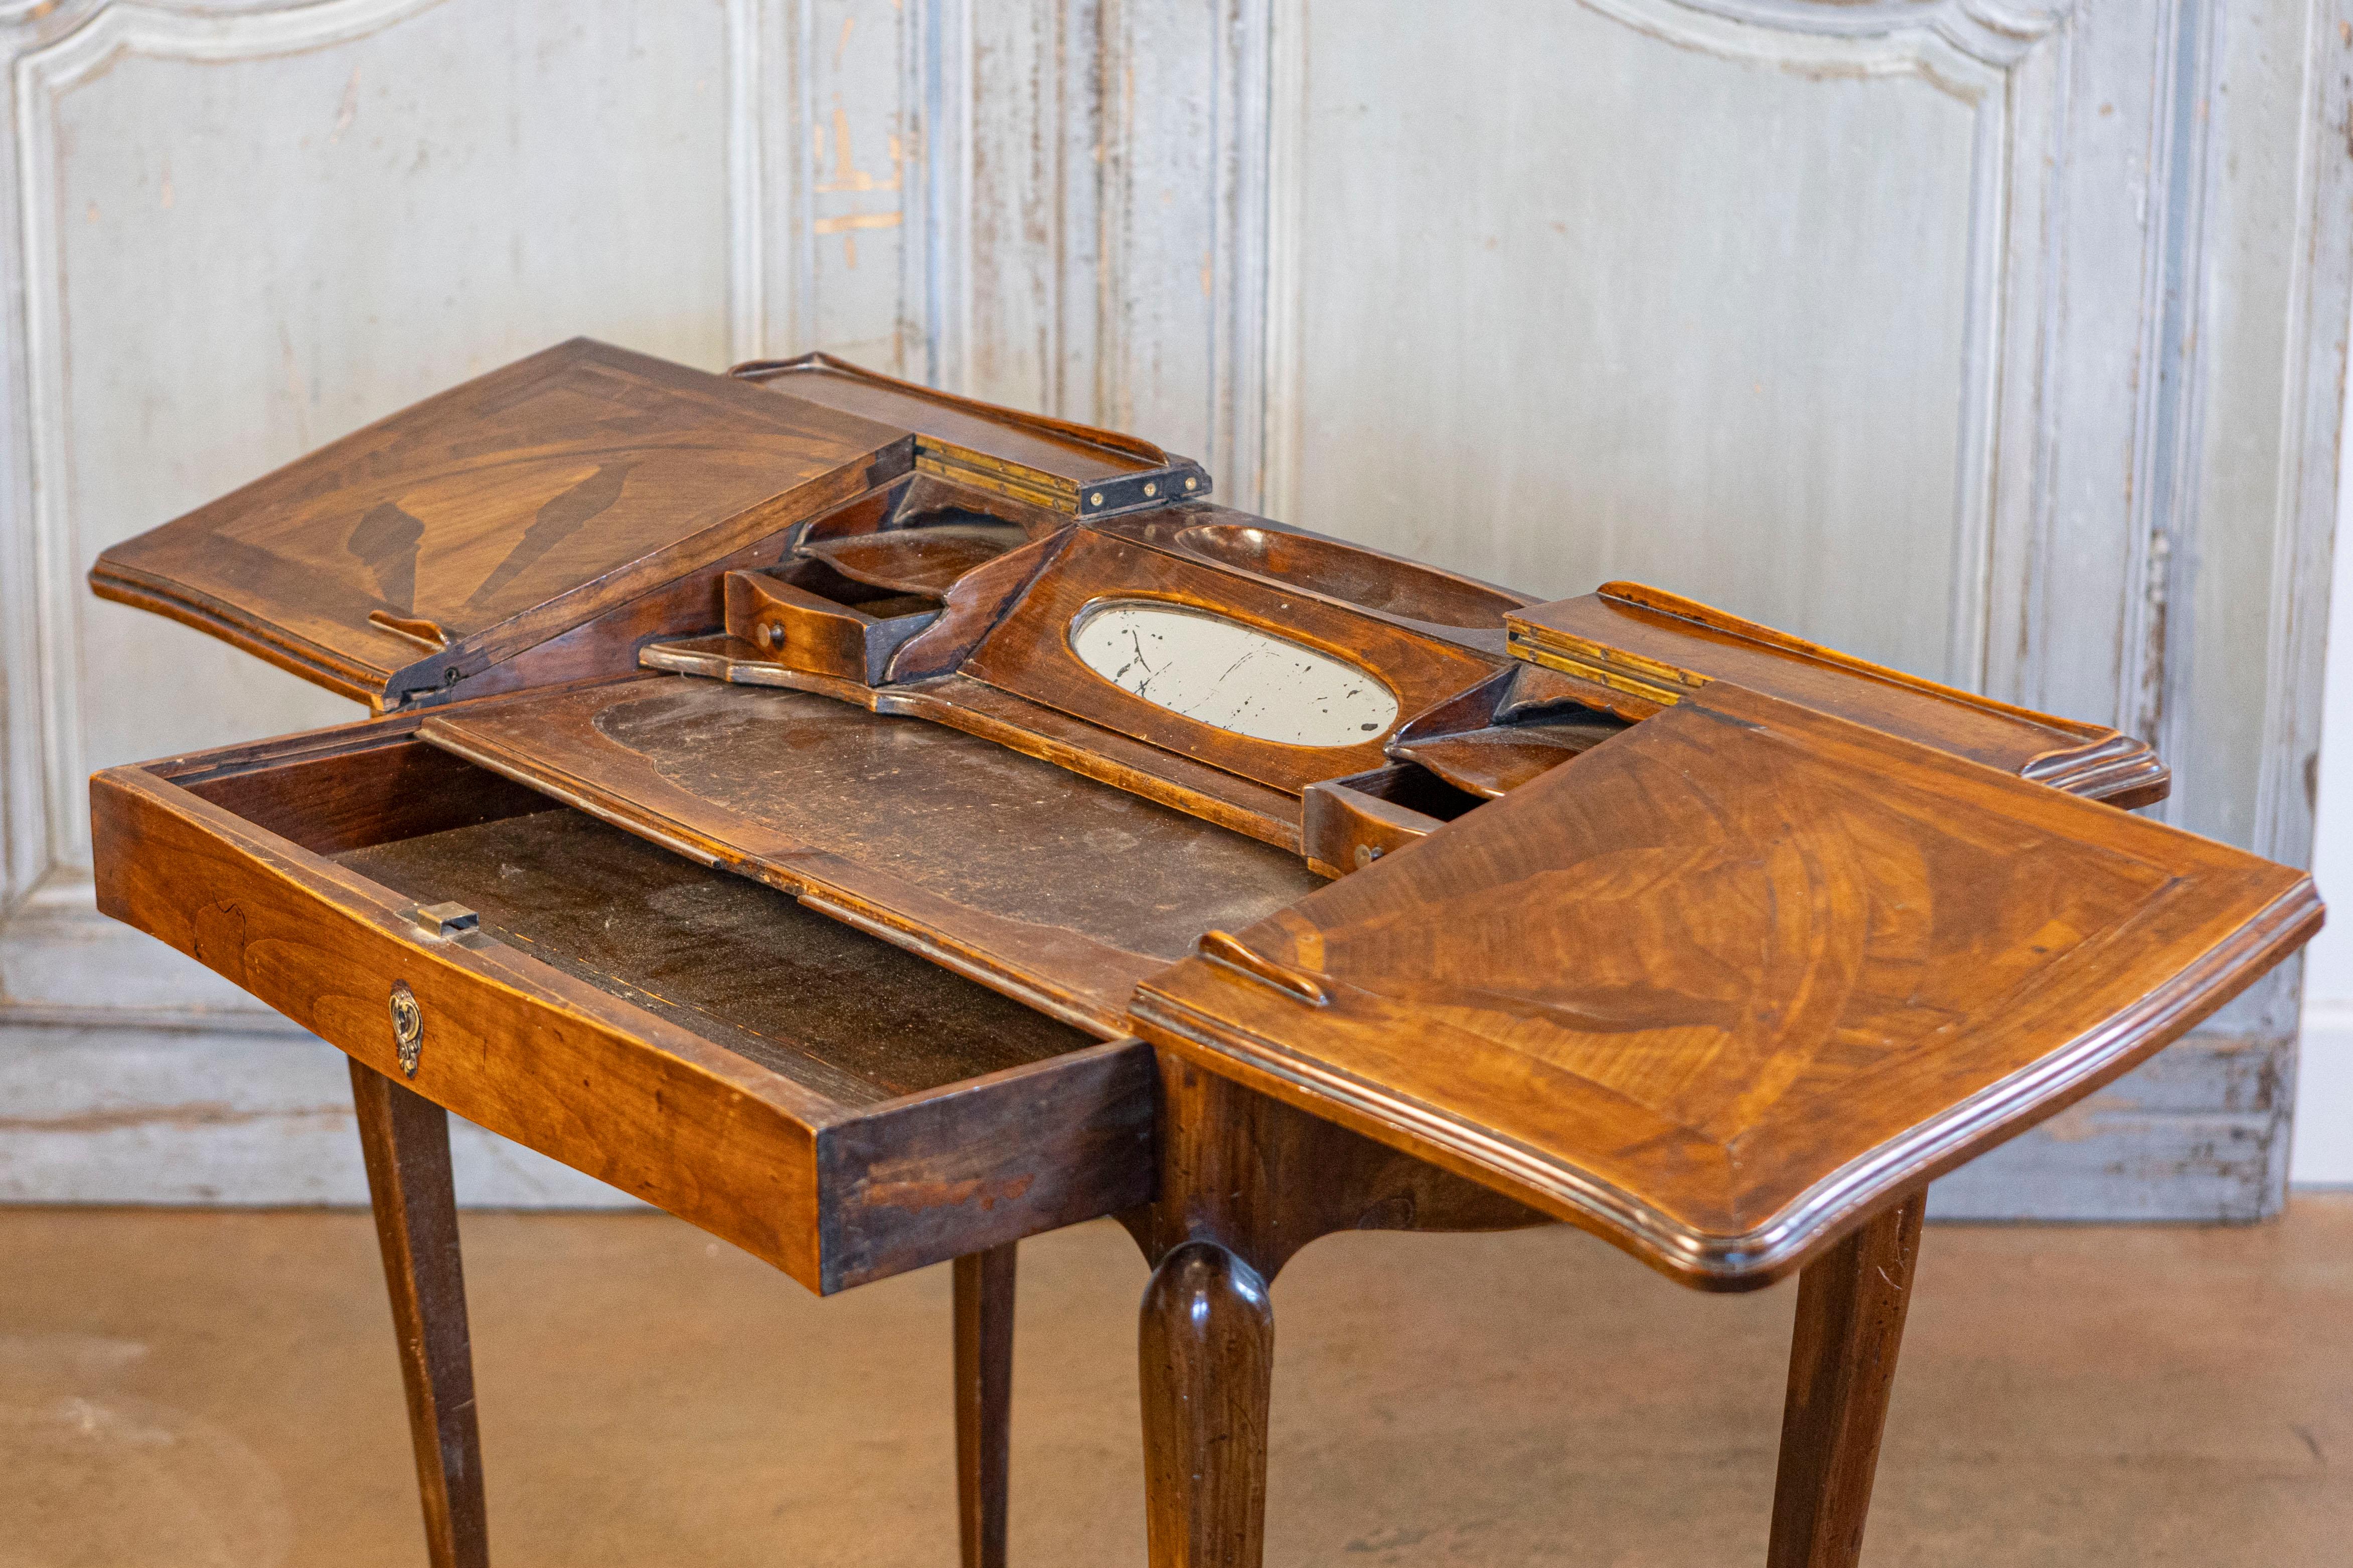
{"x":1675,"y":926}
{"x":1718,"y":984}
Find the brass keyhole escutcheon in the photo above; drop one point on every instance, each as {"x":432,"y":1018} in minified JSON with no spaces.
{"x":407,"y":1027}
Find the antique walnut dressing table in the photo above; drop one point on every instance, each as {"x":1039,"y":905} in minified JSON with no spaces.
{"x":876,"y":827}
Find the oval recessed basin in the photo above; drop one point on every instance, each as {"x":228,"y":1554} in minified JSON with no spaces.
{"x":1232,"y":677}
{"x":1343,"y":572}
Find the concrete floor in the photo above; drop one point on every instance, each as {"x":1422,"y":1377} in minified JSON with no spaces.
{"x":192,"y":1388}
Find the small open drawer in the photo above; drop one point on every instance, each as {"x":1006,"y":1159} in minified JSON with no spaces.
{"x":837,"y":1106}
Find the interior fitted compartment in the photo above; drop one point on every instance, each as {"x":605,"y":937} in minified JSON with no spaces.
{"x":742,"y":965}
{"x":1347,"y":824}
{"x":923,"y":555}
{"x":821,"y":1098}
{"x":714,"y":952}
{"x":810,"y":618}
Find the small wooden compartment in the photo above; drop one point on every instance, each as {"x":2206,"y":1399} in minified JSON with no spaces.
{"x":1347,"y":824}
{"x":838,"y":1106}
{"x":809,"y":618}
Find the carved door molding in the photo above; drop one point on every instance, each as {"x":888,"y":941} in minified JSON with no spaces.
{"x":824,"y":159}
{"x":2002,"y":73}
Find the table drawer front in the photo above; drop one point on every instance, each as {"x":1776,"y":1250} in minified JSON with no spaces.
{"x":833,"y":1194}
{"x":988,"y":1162}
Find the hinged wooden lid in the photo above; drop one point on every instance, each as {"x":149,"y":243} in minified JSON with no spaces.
{"x":1734,"y":977}
{"x":1076,"y":469}
{"x":456,"y":534}
{"x":1633,"y":649}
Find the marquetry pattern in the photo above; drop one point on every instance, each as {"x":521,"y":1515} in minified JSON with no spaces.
{"x":495,"y":515}
{"x":1733,"y":974}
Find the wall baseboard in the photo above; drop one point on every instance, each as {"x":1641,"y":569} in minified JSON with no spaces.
{"x":240,"y":1119}
{"x":2199,"y":1133}
{"x":223,"y":1117}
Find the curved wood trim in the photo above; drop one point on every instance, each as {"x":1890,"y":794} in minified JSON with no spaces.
{"x":2101,"y":765}
{"x":2119,"y":770}
{"x":1820,"y":1214}
{"x":1643,"y":597}
{"x":346,"y":677}
{"x":1132,"y":448}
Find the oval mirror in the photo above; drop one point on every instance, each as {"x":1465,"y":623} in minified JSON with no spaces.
{"x":1232,"y":677}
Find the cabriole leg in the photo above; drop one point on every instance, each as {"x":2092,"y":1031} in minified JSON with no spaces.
{"x":1208,"y":1361}
{"x":984,"y":1401}
{"x":406,"y":1138}
{"x":1850,"y":1306}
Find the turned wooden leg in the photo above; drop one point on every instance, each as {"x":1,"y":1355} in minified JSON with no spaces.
{"x":407,"y":1140}
{"x":1207,"y":1363}
{"x":1851,"y":1305}
{"x":984,"y":1401}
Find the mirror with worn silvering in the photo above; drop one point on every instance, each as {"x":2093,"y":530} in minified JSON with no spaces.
{"x":1230,"y":675}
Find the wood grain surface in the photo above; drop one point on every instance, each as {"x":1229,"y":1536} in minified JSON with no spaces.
{"x":1637,"y":649}
{"x":1720,"y":986}
{"x":1410,"y":595}
{"x":1497,"y":759}
{"x":1205,"y":1354}
{"x":484,"y":520}
{"x":809,"y":619}
{"x":984,"y":1401}
{"x":928,"y":560}
{"x":1852,"y":1303}
{"x":1262,"y":1178}
{"x":973,"y":605}
{"x":405,"y":1139}
{"x":1060,"y":890}
{"x":1032,"y":729}
{"x":1245,"y":1181}
{"x":613,"y":1033}
{"x":741,"y":964}
{"x":1055,"y":450}
{"x":1344,"y":825}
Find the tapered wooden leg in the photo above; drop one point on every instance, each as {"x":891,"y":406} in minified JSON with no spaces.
{"x":1208,"y":1361}
{"x":984,"y":1401}
{"x":1850,"y":1306}
{"x":407,"y":1140}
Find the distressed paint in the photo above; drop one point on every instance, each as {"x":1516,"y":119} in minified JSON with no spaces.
{"x":2199,"y":1133}
{"x":856,"y":170}
{"x":236,"y":232}
{"x":1034,"y":236}
{"x":1732,"y":352}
